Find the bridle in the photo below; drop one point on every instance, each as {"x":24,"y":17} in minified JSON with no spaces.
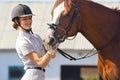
{"x":66,"y":33}
{"x":54,"y":26}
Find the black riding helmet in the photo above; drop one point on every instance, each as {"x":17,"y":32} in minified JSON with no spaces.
{"x":21,"y":10}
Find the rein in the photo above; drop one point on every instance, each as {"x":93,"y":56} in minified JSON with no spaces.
{"x":66,"y":55}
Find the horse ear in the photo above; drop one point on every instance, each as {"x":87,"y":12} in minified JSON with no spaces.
{"x":67,"y":4}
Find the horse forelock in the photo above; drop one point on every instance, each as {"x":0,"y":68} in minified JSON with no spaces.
{"x":57,"y":12}
{"x":56,"y":4}
{"x":67,"y":5}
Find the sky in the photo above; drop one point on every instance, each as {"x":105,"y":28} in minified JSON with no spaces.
{"x":54,"y":0}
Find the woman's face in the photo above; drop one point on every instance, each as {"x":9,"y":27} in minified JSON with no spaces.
{"x":26,"y":22}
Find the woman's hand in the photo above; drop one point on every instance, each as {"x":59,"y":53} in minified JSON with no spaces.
{"x":53,"y":55}
{"x":50,"y":49}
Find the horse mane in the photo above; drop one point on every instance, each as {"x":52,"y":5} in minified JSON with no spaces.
{"x":60,"y":1}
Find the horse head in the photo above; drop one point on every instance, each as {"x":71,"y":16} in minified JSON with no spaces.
{"x":65,"y":21}
{"x":72,"y":16}
{"x":99,"y":24}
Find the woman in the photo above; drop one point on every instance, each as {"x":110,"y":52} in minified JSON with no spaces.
{"x":29,"y":46}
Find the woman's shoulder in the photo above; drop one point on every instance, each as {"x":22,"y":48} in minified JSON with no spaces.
{"x":21,"y":40}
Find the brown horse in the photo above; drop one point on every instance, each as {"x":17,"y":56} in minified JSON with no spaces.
{"x":99,"y":24}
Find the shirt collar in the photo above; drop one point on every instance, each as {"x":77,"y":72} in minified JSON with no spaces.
{"x":21,"y":33}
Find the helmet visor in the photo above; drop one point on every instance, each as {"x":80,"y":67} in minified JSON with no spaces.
{"x":27,"y":15}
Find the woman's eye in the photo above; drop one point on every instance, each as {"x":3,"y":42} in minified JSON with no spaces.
{"x":30,"y":18}
{"x":24,"y":19}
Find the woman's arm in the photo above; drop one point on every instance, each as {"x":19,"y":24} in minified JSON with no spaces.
{"x":40,"y":61}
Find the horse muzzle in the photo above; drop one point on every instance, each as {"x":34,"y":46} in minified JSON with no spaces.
{"x":52,"y":41}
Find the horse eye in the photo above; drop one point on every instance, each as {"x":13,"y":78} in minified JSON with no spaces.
{"x":67,"y":15}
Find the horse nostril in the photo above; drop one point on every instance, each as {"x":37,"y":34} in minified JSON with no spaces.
{"x":51,"y":41}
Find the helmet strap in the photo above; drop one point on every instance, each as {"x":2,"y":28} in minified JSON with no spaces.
{"x":27,"y":30}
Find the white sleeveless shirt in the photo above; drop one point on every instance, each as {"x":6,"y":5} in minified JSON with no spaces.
{"x":27,"y":43}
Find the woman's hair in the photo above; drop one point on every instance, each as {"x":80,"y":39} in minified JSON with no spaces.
{"x":16,"y":23}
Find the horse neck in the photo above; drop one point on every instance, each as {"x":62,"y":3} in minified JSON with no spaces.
{"x":99,"y":23}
